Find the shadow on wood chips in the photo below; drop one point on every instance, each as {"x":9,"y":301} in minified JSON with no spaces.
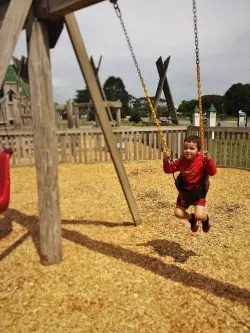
{"x":155,"y":265}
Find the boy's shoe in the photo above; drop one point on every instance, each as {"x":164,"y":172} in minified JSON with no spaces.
{"x":194,"y":224}
{"x":206,"y":225}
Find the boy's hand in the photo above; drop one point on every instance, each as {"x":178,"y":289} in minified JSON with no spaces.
{"x":165,"y":155}
{"x":206,"y":155}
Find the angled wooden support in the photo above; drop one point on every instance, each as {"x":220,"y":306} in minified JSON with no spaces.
{"x":55,"y":29}
{"x":162,"y":69}
{"x":96,"y":97}
{"x":96,"y":70}
{"x":161,"y":83}
{"x":11,"y":28}
{"x":45,"y":142}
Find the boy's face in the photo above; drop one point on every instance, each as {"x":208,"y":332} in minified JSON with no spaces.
{"x":190,"y":150}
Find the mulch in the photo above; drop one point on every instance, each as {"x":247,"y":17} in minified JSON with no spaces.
{"x":115,"y":277}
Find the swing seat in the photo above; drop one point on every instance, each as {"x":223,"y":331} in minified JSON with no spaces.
{"x":5,"y":179}
{"x":190,"y":197}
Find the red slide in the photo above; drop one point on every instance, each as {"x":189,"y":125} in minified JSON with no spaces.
{"x":5,"y":179}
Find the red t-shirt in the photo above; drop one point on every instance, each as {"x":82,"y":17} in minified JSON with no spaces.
{"x":192,"y":171}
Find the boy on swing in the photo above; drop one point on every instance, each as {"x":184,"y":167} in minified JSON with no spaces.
{"x":194,"y":167}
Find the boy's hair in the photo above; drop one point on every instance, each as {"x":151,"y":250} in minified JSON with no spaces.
{"x":194,"y":139}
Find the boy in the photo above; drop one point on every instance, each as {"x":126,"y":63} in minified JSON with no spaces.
{"x":193,"y":167}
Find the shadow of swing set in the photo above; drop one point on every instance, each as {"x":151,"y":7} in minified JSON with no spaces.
{"x":156,"y":265}
{"x":43,"y":22}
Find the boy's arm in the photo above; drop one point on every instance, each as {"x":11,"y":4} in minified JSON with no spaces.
{"x":169,"y":166}
{"x":210,"y":166}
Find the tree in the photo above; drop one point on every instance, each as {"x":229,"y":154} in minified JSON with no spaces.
{"x":216,"y":100}
{"x":82,"y":96}
{"x":135,"y":116}
{"x":114,"y":89}
{"x":187,"y":107}
{"x":162,"y":111}
{"x":141,"y":106}
{"x":236,"y":98}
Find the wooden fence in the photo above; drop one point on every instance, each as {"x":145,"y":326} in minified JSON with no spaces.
{"x":228,"y":146}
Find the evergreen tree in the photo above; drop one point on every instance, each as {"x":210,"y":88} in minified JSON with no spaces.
{"x":135,"y":116}
{"x":82,"y":96}
{"x":114,"y":89}
{"x":236,"y":98}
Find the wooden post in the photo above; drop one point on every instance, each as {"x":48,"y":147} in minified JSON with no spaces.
{"x":69,"y":107}
{"x":10,"y":30}
{"x":118,"y":117}
{"x":96,"y":70}
{"x":76,"y":114}
{"x":96,"y":97}
{"x":44,"y":142}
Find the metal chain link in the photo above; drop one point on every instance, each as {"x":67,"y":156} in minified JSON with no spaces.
{"x":119,"y":15}
{"x":196,"y":34}
{"x":198,"y":75}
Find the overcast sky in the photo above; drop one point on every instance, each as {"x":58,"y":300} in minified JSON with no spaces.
{"x":158,"y":28}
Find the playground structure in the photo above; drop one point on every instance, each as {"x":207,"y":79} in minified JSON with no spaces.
{"x":73,"y":110}
{"x":114,"y":279}
{"x":43,"y":27}
{"x":43,"y":23}
{"x":15,"y":108}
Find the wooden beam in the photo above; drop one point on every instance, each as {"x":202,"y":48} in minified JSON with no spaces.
{"x":166,"y":90}
{"x":159,"y":88}
{"x":53,"y":8}
{"x":10,"y":31}
{"x":96,"y":70}
{"x":3,"y":10}
{"x":96,"y":97}
{"x":111,"y":104}
{"x":161,"y":83}
{"x":44,"y":142}
{"x":55,"y":29}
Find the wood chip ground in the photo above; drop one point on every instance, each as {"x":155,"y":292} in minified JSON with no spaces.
{"x":158,"y":277}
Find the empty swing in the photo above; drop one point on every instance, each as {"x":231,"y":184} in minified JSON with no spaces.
{"x":5,"y":155}
{"x":5,"y":179}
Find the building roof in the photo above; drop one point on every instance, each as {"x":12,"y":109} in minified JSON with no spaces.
{"x":211,"y":108}
{"x":12,"y":76}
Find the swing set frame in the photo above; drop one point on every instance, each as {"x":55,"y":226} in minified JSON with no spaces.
{"x":43,"y":21}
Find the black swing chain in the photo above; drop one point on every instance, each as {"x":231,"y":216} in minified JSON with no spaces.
{"x":196,"y":34}
{"x":198,"y":75}
{"x":119,"y":15}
